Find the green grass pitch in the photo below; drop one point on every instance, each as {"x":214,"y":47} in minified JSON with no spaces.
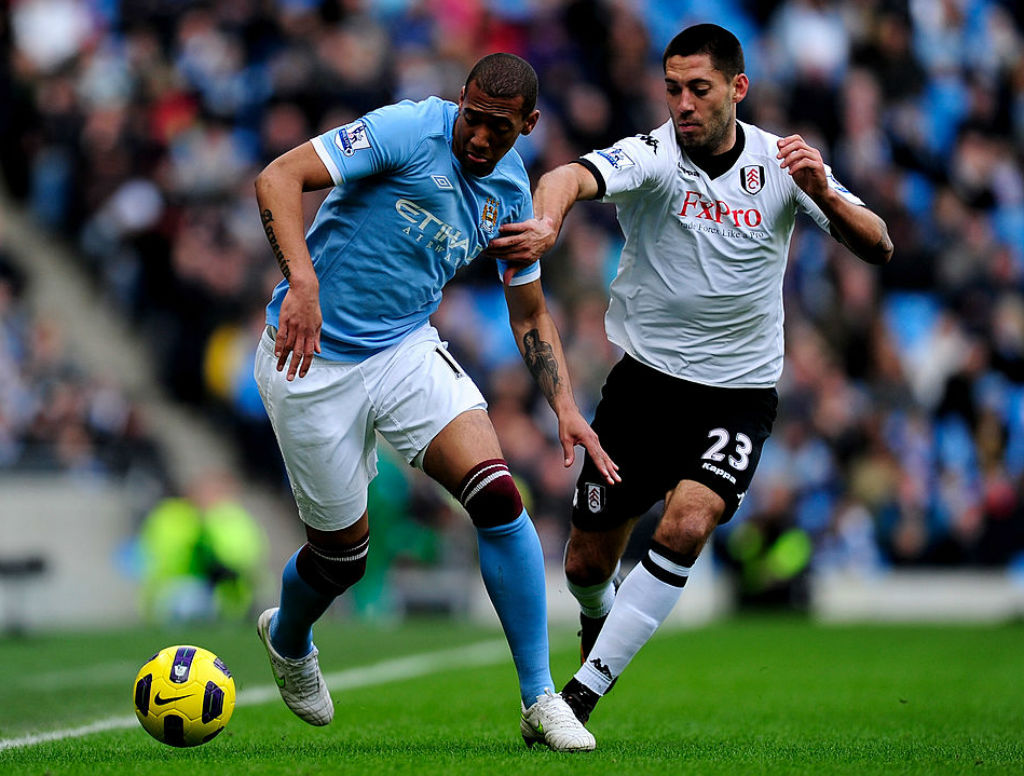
{"x":747,"y":696}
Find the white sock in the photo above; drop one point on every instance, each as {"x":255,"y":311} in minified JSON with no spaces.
{"x":642,"y":604}
{"x":596,"y":600}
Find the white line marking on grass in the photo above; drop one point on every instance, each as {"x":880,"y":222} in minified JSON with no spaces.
{"x":480,"y":654}
{"x":67,"y":678}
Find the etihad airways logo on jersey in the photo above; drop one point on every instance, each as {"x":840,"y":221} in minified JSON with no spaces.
{"x":719,"y":211}
{"x":429,"y":230}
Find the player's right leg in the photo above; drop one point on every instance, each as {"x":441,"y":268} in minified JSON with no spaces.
{"x":603,"y":515}
{"x":324,"y":429}
{"x":319,"y":571}
{"x":591,"y":573}
{"x":648,"y":594}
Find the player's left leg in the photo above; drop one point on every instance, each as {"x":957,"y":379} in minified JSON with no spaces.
{"x":434,"y":415}
{"x":466,"y":459}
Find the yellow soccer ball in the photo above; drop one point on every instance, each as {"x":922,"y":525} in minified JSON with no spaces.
{"x":184,"y":695}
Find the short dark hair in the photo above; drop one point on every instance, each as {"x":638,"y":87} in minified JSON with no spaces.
{"x":717,"y":42}
{"x":506,"y":76}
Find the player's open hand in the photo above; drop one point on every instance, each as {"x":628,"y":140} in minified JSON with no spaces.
{"x":805,"y":164}
{"x":574,"y":430}
{"x":298,"y":329}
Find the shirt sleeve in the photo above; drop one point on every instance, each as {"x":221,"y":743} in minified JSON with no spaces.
{"x":381,"y":140}
{"x":530,"y":272}
{"x":807,"y":205}
{"x":631,"y":165}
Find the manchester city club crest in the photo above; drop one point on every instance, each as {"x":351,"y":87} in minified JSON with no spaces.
{"x":752,"y":178}
{"x":489,"y":218}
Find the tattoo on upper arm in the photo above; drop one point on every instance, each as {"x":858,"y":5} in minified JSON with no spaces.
{"x":540,"y":359}
{"x":268,"y":219}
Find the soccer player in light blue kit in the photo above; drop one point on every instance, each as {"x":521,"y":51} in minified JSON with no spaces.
{"x":420,"y":189}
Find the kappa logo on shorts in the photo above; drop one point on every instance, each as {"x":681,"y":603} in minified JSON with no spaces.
{"x":595,"y":497}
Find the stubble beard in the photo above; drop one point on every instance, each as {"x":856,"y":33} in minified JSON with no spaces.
{"x":717,"y":131}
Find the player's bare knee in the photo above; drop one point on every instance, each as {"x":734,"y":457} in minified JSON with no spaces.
{"x":686,"y":533}
{"x":332,"y":571}
{"x":586,"y":570}
{"x":490,"y":495}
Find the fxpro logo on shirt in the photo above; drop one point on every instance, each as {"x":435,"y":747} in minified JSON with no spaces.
{"x":434,"y":234}
{"x":719,"y":217}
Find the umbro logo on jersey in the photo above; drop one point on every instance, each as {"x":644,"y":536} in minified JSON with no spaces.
{"x":752,"y":178}
{"x":442,"y":182}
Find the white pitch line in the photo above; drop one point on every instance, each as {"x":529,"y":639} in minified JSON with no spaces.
{"x":480,"y":654}
{"x":73,"y":678}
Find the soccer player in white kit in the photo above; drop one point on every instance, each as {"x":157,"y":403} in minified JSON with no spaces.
{"x":707,"y":205}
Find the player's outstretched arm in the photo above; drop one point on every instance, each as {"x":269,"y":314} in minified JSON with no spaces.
{"x":541,"y":347}
{"x":557,"y":191}
{"x":279,"y":193}
{"x":857,"y":227}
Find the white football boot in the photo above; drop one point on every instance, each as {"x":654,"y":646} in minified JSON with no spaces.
{"x":300,"y":681}
{"x":551,"y":722}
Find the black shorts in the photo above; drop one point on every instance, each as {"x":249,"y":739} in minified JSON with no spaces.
{"x":660,"y":430}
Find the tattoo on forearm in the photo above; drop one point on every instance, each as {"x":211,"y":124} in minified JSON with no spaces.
{"x":540,"y":359}
{"x":268,"y":219}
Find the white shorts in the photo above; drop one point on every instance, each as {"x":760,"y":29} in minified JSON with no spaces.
{"x":326,"y":421}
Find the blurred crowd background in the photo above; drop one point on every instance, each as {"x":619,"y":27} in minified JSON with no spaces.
{"x":134,"y":130}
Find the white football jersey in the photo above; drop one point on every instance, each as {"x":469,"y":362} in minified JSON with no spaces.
{"x":698,"y":292}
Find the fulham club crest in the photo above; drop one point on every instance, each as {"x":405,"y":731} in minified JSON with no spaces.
{"x":752,"y":178}
{"x":595,"y":497}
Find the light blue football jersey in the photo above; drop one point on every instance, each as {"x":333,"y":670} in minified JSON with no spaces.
{"x":402,"y":218}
